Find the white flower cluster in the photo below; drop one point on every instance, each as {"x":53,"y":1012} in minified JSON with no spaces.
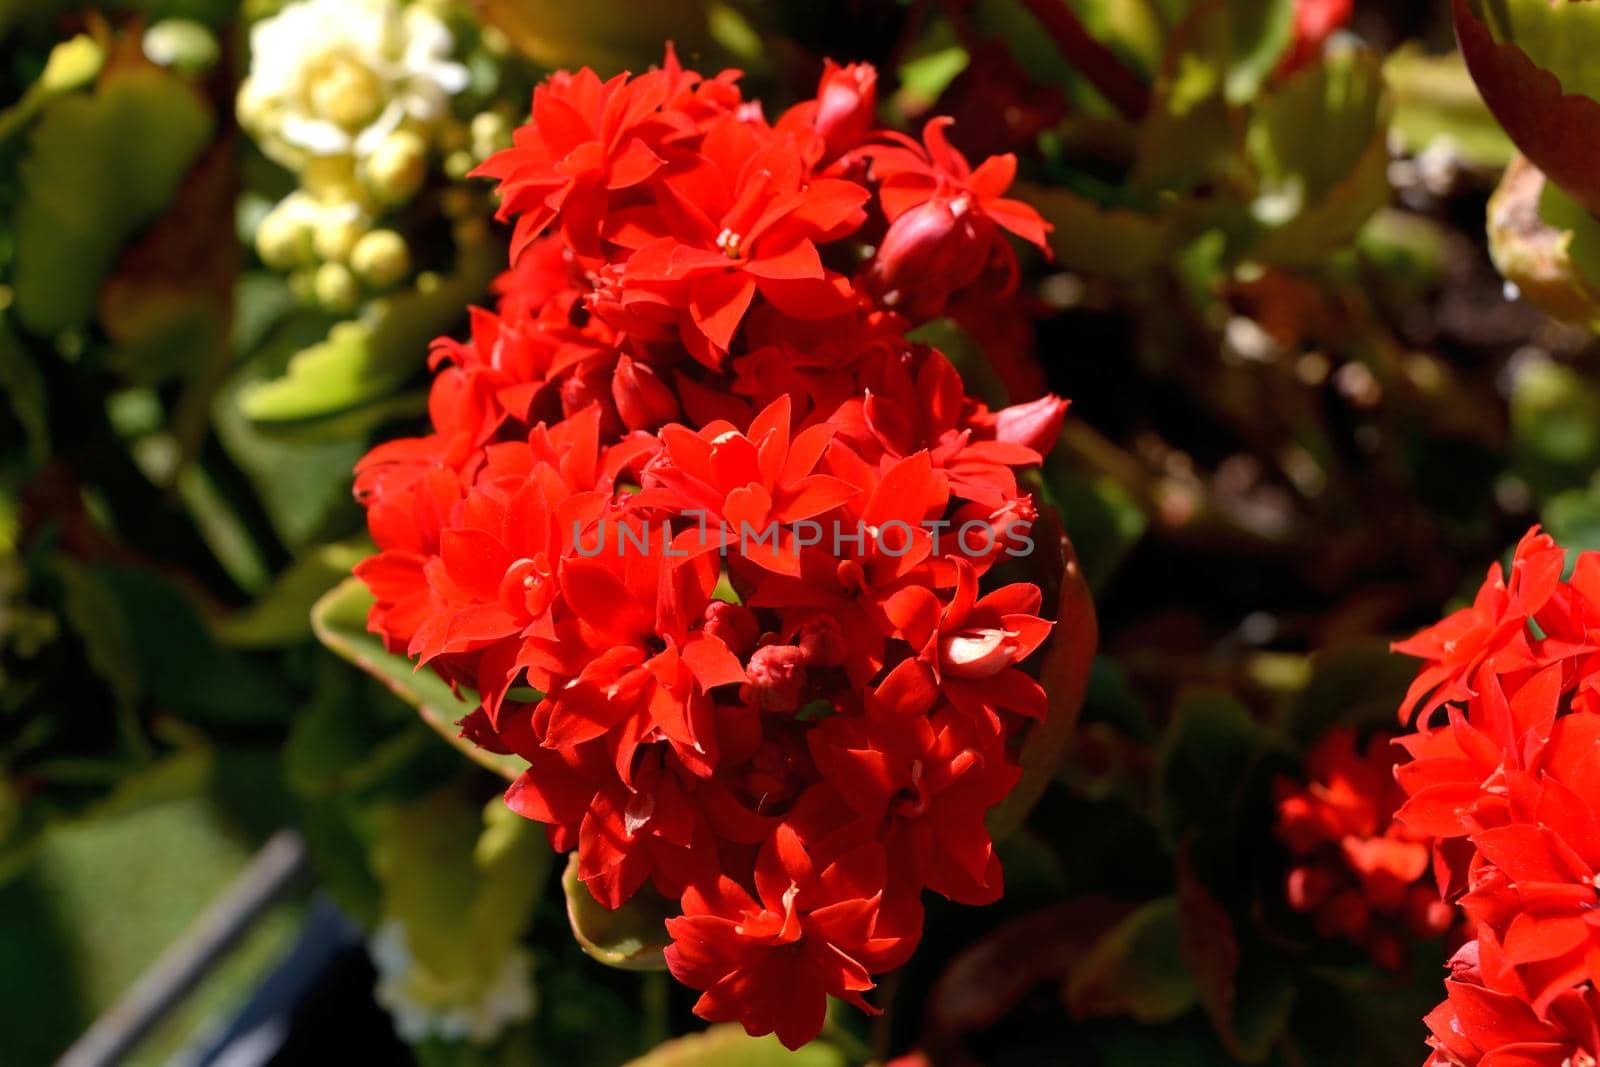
{"x":475,"y":1008}
{"x":352,"y":96}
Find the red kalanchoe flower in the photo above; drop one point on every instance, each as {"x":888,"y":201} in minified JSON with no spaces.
{"x":1361,"y":875}
{"x":704,"y":531}
{"x":1506,"y":780}
{"x":1482,"y":1025}
{"x":771,"y":959}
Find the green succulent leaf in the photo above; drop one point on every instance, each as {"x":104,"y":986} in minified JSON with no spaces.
{"x":1204,"y":762}
{"x":727,"y":1045}
{"x":339,"y":620}
{"x":1109,"y":242}
{"x":1135,"y":969}
{"x":99,"y":167}
{"x":1533,"y":61}
{"x":366,"y":359}
{"x":1555,"y":427}
{"x":282,"y":615}
{"x":1319,"y":149}
{"x":462,"y":880}
{"x":1562,"y":38}
{"x":1436,"y":103}
{"x":630,"y":937}
{"x":1546,"y":244}
{"x":1064,"y":673}
{"x":1573,"y":518}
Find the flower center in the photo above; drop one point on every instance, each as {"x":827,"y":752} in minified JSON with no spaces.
{"x":732,"y":244}
{"x":978,"y":653}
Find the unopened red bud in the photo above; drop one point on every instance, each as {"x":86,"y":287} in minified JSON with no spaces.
{"x":846,"y":102}
{"x":1307,"y":888}
{"x":1425,"y":914}
{"x":1034,"y":425}
{"x":643,"y":400}
{"x":734,"y":625}
{"x":821,"y":641}
{"x":777,"y":677}
{"x":931,"y":251}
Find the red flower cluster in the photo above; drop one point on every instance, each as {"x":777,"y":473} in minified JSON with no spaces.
{"x":1505,"y":776}
{"x":705,"y":530}
{"x":1361,"y":875}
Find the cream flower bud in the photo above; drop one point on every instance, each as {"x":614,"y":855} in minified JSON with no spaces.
{"x":397,"y":168}
{"x":336,"y":288}
{"x":283,"y":239}
{"x":335,"y":239}
{"x":182,"y":44}
{"x":490,"y":133}
{"x":381,"y":259}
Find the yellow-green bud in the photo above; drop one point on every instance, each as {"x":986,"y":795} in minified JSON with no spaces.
{"x":490,"y":133}
{"x":182,"y":44}
{"x":336,"y":288}
{"x":283,"y":240}
{"x":336,"y":238}
{"x":72,"y":64}
{"x":458,"y":164}
{"x":398,"y":167}
{"x":381,"y":259}
{"x":303,"y":286}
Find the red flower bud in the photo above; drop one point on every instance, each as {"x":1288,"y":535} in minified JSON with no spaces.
{"x":846,"y":101}
{"x":777,"y":677}
{"x":1034,"y":425}
{"x":643,"y":399}
{"x":734,"y":625}
{"x":821,"y":641}
{"x":931,"y":251}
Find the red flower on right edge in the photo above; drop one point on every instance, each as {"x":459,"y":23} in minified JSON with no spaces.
{"x":1504,"y":776}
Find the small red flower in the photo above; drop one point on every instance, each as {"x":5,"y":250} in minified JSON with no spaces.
{"x":944,"y":217}
{"x":1361,"y":875}
{"x":771,"y":959}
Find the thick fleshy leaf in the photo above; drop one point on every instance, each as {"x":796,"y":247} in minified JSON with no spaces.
{"x":1135,"y":969}
{"x":1319,"y":148}
{"x":1533,"y":61}
{"x":1110,"y":242}
{"x":609,"y":35}
{"x":1545,"y":244}
{"x":1436,"y":105}
{"x":631,"y":937}
{"x":366,"y":359}
{"x":727,"y":1045}
{"x":1245,"y":992}
{"x":282,"y":614}
{"x":461,"y":880}
{"x":1555,"y":426}
{"x":99,"y":167}
{"x":1064,"y":673}
{"x":1203,"y":762}
{"x":340,"y":622}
